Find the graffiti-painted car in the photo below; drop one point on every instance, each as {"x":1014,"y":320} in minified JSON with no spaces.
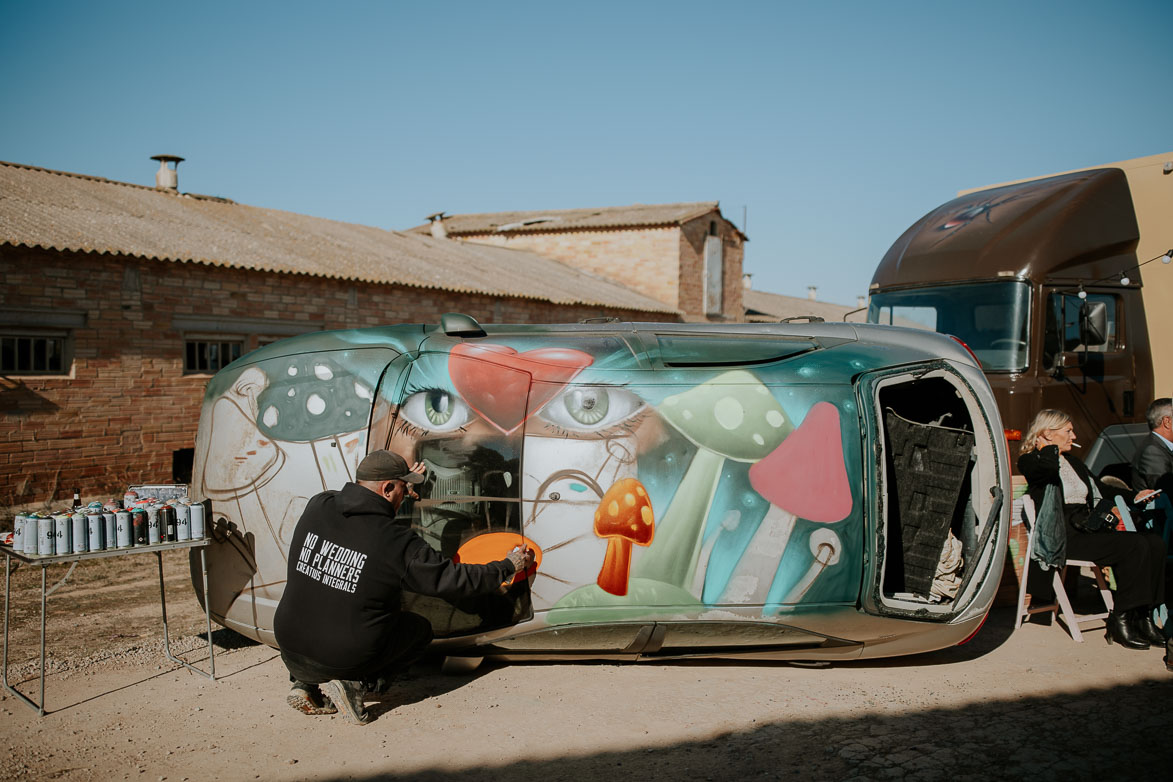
{"x":813,"y":491}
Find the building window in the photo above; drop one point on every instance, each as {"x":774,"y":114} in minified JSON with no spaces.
{"x":33,"y":354}
{"x":714,"y":275}
{"x":206,"y":356}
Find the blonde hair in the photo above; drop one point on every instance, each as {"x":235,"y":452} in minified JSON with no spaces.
{"x":1045,"y":420}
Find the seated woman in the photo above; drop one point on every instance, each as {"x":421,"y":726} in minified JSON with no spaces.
{"x":1137,"y":558}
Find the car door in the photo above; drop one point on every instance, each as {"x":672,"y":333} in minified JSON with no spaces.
{"x":458,"y":409}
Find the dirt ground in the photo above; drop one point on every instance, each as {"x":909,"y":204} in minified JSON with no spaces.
{"x":1007,"y":705}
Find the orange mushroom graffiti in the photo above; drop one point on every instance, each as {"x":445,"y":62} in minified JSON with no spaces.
{"x":624,"y":517}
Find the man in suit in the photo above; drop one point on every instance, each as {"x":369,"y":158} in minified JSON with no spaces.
{"x":1152,"y":467}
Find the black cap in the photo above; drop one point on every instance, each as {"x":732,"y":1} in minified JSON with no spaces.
{"x":386,"y":466}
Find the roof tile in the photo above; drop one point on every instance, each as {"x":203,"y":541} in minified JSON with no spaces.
{"x":572,"y":219}
{"x":63,"y":211}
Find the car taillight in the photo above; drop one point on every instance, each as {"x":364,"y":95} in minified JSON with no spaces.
{"x":981,"y":624}
{"x":967,"y":350}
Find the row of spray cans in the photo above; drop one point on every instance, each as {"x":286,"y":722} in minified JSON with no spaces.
{"x":134,"y":522}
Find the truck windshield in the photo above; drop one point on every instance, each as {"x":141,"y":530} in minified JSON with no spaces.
{"x":989,"y":317}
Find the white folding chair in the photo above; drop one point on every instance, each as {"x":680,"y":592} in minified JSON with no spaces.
{"x":1061,"y":608}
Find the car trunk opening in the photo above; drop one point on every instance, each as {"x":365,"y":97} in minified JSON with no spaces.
{"x":936,"y":454}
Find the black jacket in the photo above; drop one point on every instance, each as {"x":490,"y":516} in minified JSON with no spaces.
{"x":349,"y":561}
{"x":1152,"y":467}
{"x":1041,"y":467}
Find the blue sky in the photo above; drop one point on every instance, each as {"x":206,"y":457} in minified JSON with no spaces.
{"x":833,"y":125}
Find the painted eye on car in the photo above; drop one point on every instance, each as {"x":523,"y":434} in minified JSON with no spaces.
{"x":435,"y":410}
{"x":591,"y":408}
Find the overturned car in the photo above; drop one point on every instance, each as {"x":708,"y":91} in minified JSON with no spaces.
{"x":784,"y":491}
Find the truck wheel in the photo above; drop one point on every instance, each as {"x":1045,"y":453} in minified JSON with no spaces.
{"x":458,"y":665}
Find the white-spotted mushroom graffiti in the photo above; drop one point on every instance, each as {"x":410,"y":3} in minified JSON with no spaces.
{"x":732,"y":416}
{"x":313,"y":399}
{"x":295,"y":426}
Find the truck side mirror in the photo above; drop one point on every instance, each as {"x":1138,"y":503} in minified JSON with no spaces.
{"x":1093,"y":323}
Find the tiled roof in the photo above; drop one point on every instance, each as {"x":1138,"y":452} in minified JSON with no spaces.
{"x":762,"y":307}
{"x":63,"y":211}
{"x":572,"y":219}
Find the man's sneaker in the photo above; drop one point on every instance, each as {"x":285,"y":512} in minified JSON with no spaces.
{"x":307,"y":699}
{"x":347,"y":696}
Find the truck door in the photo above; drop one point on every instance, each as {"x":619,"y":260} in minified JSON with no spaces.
{"x":1090,"y":375}
{"x":460,"y":414}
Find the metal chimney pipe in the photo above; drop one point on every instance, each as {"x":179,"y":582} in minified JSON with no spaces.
{"x":167,"y":177}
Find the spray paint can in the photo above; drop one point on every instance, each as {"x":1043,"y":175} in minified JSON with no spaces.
{"x":96,"y":530}
{"x":123,"y":532}
{"x":197,"y":521}
{"x":129,"y":498}
{"x":182,"y":522}
{"x":167,"y":520}
{"x":46,"y":535}
{"x":138,"y":522}
{"x":110,"y":528}
{"x":28,"y":541}
{"x":61,"y":534}
{"x":80,"y":537}
{"x":153,"y":530}
{"x":18,"y":533}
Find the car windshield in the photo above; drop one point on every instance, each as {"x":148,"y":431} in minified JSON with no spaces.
{"x":989,"y":317}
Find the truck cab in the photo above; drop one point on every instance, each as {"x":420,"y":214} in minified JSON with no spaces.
{"x":1041,"y":281}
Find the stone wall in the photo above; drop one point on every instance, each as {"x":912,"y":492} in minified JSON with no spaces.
{"x":663,"y":263}
{"x":645,"y":259}
{"x":692,"y":269}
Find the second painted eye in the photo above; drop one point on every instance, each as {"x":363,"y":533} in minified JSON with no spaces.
{"x":435,"y":410}
{"x":591,"y":408}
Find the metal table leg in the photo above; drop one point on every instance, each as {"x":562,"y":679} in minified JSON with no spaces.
{"x":207,"y":613}
{"x":38,"y":707}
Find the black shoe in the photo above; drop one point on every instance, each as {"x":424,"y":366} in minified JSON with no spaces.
{"x":1122,"y":633}
{"x":1146,"y":628}
{"x":348,"y":697}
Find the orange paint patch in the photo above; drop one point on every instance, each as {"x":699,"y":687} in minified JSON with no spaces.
{"x":495,"y":546}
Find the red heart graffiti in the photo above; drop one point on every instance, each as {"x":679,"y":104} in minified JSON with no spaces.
{"x":506,"y":387}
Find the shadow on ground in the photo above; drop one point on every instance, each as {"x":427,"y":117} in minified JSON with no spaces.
{"x":1111,"y":733}
{"x":425,"y":680}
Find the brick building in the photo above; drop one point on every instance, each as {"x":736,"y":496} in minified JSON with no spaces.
{"x":120,"y":301}
{"x":686,"y":256}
